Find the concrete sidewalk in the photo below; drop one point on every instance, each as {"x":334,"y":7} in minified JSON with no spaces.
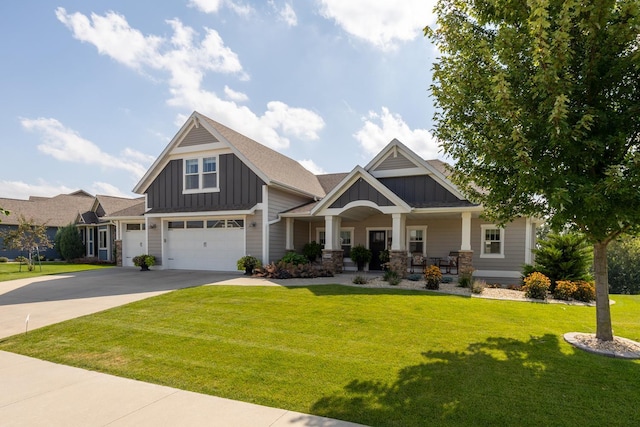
{"x":39,"y":393}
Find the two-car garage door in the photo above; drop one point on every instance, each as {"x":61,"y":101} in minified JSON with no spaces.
{"x":204,"y":244}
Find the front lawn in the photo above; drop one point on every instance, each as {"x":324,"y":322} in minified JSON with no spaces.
{"x":11,"y":270}
{"x":374,"y":356}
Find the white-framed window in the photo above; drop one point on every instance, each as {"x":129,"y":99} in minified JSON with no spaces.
{"x":492,"y":241}
{"x":225,"y":223}
{"x":102,"y":239}
{"x":200,"y":175}
{"x":346,"y":239}
{"x":321,"y":237}
{"x":134,"y":227}
{"x":416,"y":240}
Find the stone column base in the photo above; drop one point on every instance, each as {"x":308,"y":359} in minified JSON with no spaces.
{"x":398,"y":261}
{"x":332,"y":260}
{"x":465,"y":262}
{"x":118,"y":244}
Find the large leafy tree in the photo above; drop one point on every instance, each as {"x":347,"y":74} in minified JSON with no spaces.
{"x":539,"y":103}
{"x":68,"y":242}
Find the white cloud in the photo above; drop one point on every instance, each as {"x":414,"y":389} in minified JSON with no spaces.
{"x":380,"y":129}
{"x":288,"y":15}
{"x":235,"y":96}
{"x":312,"y":167}
{"x":107,"y":190}
{"x":187,"y":61}
{"x":214,"y":6}
{"x":382,"y":23}
{"x":67,"y":145}
{"x":22,"y":190}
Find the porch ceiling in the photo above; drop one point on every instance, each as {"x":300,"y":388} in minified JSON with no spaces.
{"x":359,"y":213}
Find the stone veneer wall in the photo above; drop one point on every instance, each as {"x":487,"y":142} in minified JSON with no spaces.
{"x":332,"y":260}
{"x":465,"y":262}
{"x":398,"y":261}
{"x":118,"y":244}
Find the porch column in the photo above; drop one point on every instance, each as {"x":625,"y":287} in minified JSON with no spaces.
{"x":289,"y":234}
{"x":398,"y":232}
{"x":332,"y":252}
{"x":466,"y":231}
{"x":398,"y":253}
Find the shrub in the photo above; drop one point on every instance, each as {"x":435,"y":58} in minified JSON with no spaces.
{"x":359,"y":280}
{"x":21,"y":259}
{"x":294,"y":258}
{"x":282,"y":270}
{"x":565,"y":256}
{"x":465,"y":279}
{"x":4,"y":259}
{"x":417,"y":277}
{"x":536,"y":286}
{"x":144,"y":260}
{"x":433,"y":277}
{"x":585,"y":291}
{"x":527,"y":269}
{"x":478,"y":286}
{"x":248,"y":263}
{"x":68,"y":242}
{"x":90,"y":260}
{"x":392,"y":277}
{"x":312,"y":250}
{"x":564,"y":290}
{"x":623,"y":258}
{"x":447,"y":279}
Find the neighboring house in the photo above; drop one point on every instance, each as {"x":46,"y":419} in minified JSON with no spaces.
{"x":214,"y":195}
{"x":87,"y":212}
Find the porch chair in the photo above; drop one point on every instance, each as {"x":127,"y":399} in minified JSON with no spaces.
{"x":418,"y":260}
{"x":449,"y":262}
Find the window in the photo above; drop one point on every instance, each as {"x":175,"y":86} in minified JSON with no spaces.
{"x":102,"y":239}
{"x":415,"y":240}
{"x":175,"y":224}
{"x":209,"y":175}
{"x":135,"y":227}
{"x":194,"y":224}
{"x":492,"y":244}
{"x":235,"y":223}
{"x":345,"y":242}
{"x":201,"y":175}
{"x":225,"y":223}
{"x":322,"y":238}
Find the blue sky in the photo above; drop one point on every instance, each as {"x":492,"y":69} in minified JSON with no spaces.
{"x":92,"y":91}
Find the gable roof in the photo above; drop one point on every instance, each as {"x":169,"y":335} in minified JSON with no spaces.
{"x":437,"y":169}
{"x":272,"y":167}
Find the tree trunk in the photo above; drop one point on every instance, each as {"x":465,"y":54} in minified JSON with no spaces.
{"x":603,"y":310}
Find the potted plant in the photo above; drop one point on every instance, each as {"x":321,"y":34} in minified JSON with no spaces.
{"x":384,"y":259}
{"x":144,"y":261}
{"x":248,"y":263}
{"x":312,"y":250}
{"x":360,"y":255}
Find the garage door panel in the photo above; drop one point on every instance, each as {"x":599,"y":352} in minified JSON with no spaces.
{"x":204,"y":249}
{"x":132,"y":245}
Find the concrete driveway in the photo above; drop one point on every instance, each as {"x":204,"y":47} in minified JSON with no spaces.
{"x":52,"y":299}
{"x":39,"y":393}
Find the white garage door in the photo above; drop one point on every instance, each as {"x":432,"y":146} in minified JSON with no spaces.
{"x":204,"y":245}
{"x":132,"y":243}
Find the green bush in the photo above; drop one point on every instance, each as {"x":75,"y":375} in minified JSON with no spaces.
{"x":360,"y":255}
{"x":294,"y":258}
{"x":144,"y":260}
{"x":465,"y":279}
{"x":248,"y":263}
{"x":585,"y":291}
{"x":478,"y":286}
{"x":433,"y":277}
{"x":4,"y":259}
{"x":564,"y":290}
{"x":536,"y":286}
{"x":623,"y":257}
{"x":312,"y":250}
{"x":68,"y":243}
{"x":565,"y":256}
{"x":21,"y":259}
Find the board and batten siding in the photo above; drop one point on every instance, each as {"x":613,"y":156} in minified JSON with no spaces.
{"x":280,"y":201}
{"x":361,"y":190}
{"x":419,"y":190}
{"x":240,"y":188}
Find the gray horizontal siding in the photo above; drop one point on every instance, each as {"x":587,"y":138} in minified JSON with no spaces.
{"x":361,"y":190}
{"x":240,"y":188}
{"x":280,"y":201}
{"x":514,"y":247}
{"x":254,"y":235}
{"x":395,"y":163}
{"x":154,"y":242}
{"x":197,"y":136}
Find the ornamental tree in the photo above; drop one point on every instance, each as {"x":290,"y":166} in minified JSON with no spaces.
{"x":27,"y":236}
{"x":538,"y":102}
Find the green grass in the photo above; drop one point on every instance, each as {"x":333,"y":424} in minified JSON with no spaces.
{"x":11,"y":270}
{"x":374,"y":356}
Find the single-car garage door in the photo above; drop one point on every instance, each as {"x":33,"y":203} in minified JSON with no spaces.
{"x":132,"y":243}
{"x":204,"y":244}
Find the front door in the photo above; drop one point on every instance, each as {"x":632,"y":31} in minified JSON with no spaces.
{"x":377,"y":244}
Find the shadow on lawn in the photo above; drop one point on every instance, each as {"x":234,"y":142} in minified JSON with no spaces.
{"x":497,"y":382}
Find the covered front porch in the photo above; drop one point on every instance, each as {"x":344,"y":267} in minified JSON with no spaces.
{"x":429,"y":235}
